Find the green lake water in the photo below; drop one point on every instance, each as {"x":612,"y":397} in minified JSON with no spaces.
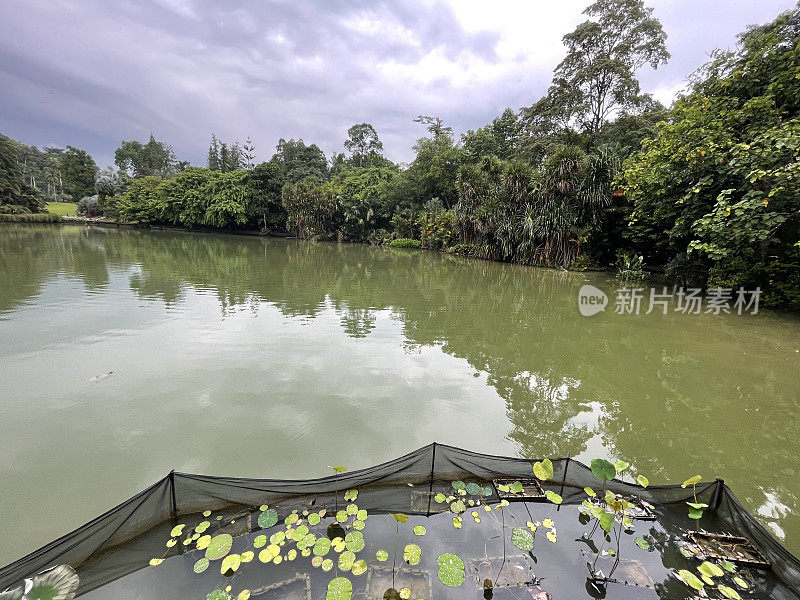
{"x":255,"y":357}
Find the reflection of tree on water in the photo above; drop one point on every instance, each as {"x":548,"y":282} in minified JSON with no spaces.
{"x":677,"y":394}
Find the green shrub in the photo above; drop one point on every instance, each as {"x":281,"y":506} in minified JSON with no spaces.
{"x":30,"y":218}
{"x":629,"y":265}
{"x":14,"y":209}
{"x":405,"y":243}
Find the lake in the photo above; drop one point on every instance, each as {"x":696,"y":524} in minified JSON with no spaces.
{"x":243,"y":356}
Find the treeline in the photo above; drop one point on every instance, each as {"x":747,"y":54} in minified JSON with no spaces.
{"x":593,"y":174}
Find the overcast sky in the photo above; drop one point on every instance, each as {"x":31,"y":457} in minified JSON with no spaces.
{"x":91,"y":73}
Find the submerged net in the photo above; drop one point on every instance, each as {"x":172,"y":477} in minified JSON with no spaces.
{"x":440,"y":522}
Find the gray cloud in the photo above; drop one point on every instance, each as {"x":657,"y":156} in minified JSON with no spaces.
{"x":91,"y":72}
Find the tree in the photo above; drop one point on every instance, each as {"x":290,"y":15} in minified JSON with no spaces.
{"x":598,"y":75}
{"x":248,"y":153}
{"x":435,"y":125}
{"x":719,"y":181}
{"x":501,"y":138}
{"x":362,"y":141}
{"x":301,"y":161}
{"x":107,"y":184}
{"x":264,"y":185}
{"x":142,"y":160}
{"x":78,"y":171}
{"x":213,"y":154}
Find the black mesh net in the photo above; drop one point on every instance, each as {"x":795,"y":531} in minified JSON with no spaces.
{"x":440,"y":522}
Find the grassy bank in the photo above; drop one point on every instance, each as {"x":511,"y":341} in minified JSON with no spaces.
{"x":62,"y":208}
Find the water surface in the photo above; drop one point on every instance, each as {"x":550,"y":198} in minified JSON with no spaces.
{"x":258,"y":357}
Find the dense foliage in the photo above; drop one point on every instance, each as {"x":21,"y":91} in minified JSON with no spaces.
{"x":593,"y":174}
{"x":716,"y":192}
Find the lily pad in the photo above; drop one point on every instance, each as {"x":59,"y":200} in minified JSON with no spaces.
{"x":341,"y":516}
{"x":203,"y":542}
{"x":218,"y":595}
{"x":691,"y":481}
{"x":690,"y":579}
{"x":419,"y":530}
{"x":473,"y":489}
{"x":176,"y":531}
{"x":354,"y":541}
{"x":359,"y":567}
{"x":346,"y":560}
{"x":268,"y":518}
{"x":202,"y":526}
{"x":412,"y":554}
{"x":391,"y":594}
{"x":621,"y":465}
{"x":553,"y":497}
{"x":361,"y":515}
{"x":322,"y":546}
{"x":440,"y":497}
{"x":300,"y":533}
{"x":230,"y":564}
{"x":458,"y":485}
{"x":351,"y":495}
{"x":405,"y":593}
{"x":201,"y":565}
{"x":729,"y":592}
{"x":219,"y":546}
{"x":400,"y":517}
{"x":458,"y":507}
{"x":359,"y":525}
{"x":710,"y":569}
{"x":543,"y":470}
{"x":258,"y":542}
{"x":522,"y":538}
{"x":339,"y":589}
{"x":154,"y":562}
{"x":642,"y":480}
{"x":313,"y":519}
{"x":603,"y":470}
{"x":291,"y":519}
{"x":642,"y":543}
{"x":327,"y":565}
{"x":451,"y":570}
{"x":247,"y":556}
{"x":382,"y":555}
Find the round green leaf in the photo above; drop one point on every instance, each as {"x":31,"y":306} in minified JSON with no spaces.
{"x":201,"y":565}
{"x":313,"y":519}
{"x":354,"y":541}
{"x":327,"y":565}
{"x":440,"y":497}
{"x":412,"y":554}
{"x":341,"y":516}
{"x":351,"y":495}
{"x":522,"y":538}
{"x":621,"y":465}
{"x":268,"y":518}
{"x":458,"y":485}
{"x":543,"y":470}
{"x":474,"y":489}
{"x":219,"y":546}
{"x":419,"y":530}
{"x":642,"y":543}
{"x":359,"y":567}
{"x":382,"y":555}
{"x":339,"y":589}
{"x":361,"y":515}
{"x":346,"y":560}
{"x":642,"y":480}
{"x":218,"y":595}
{"x":451,"y":570}
{"x":602,"y":469}
{"x":322,"y":546}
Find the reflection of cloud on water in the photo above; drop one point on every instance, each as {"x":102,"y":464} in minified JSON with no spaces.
{"x":773,"y":508}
